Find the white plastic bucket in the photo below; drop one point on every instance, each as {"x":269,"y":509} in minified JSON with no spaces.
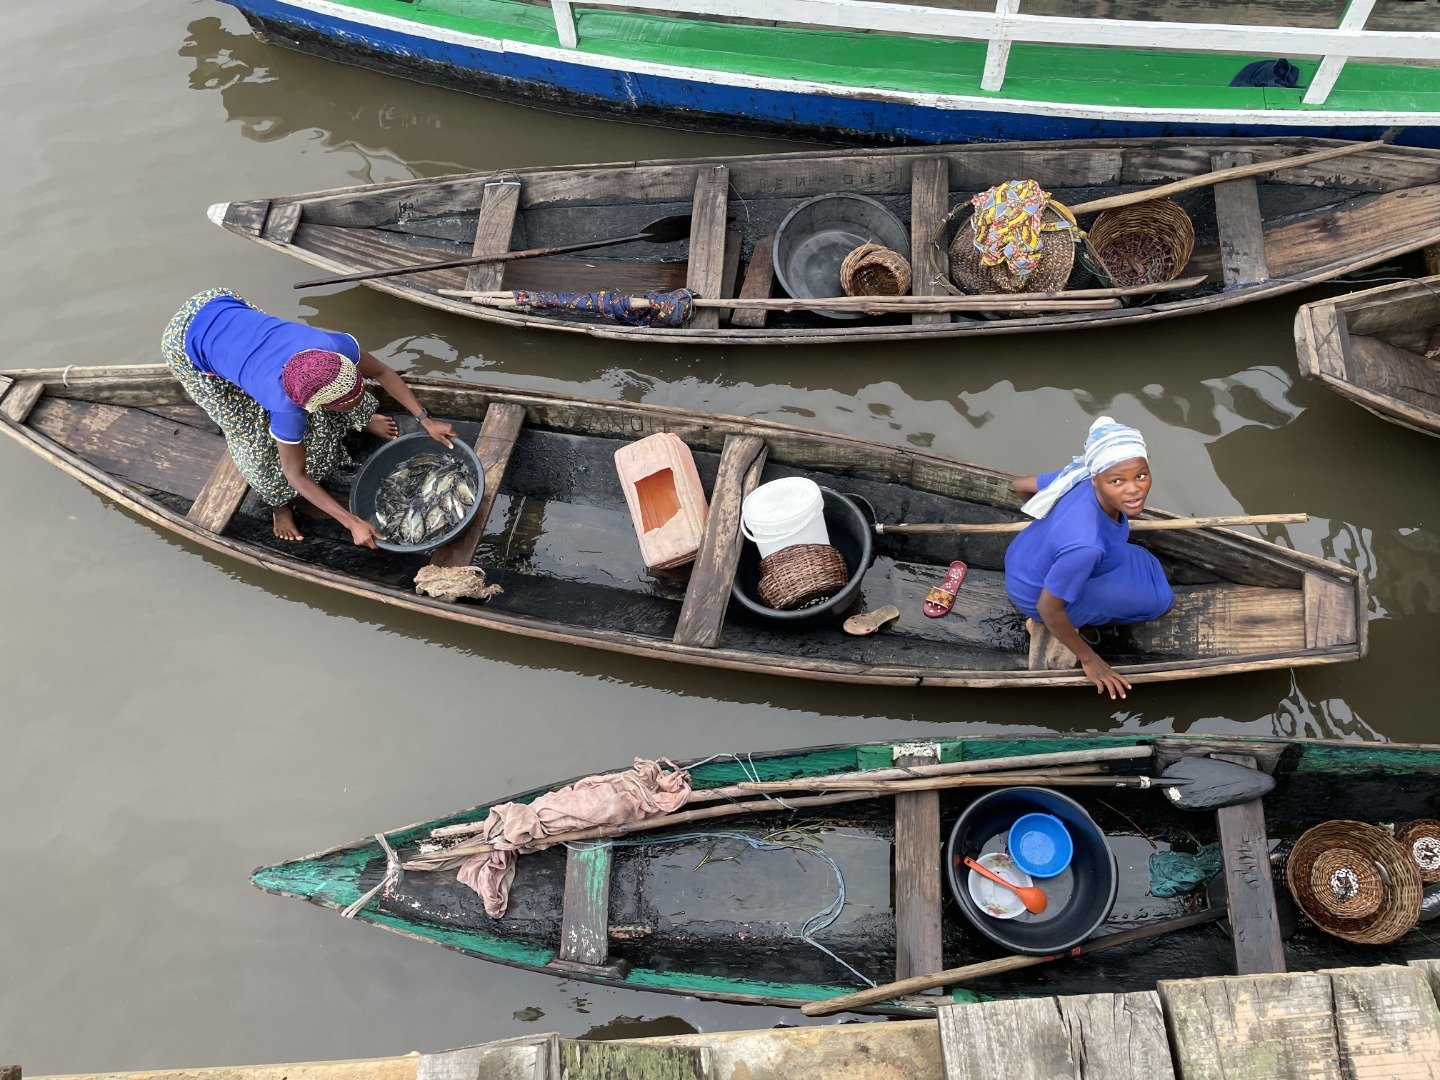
{"x":783,"y":513}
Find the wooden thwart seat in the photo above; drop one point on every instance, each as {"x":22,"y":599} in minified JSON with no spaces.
{"x":708,"y":594}
{"x":1242,"y":230}
{"x":918,"y":943}
{"x":498,"y":205}
{"x":585,"y":920}
{"x":929,"y":202}
{"x":1249,"y":888}
{"x":18,"y":398}
{"x":493,"y":446}
{"x":220,"y":497}
{"x":706,"y":273}
{"x":757,"y":284}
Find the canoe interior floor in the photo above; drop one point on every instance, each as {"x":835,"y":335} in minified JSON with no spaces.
{"x":716,"y":906}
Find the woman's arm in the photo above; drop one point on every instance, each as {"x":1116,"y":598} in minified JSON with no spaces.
{"x":1025,"y":486}
{"x":387,"y":377}
{"x":292,"y":462}
{"x":1106,"y":679}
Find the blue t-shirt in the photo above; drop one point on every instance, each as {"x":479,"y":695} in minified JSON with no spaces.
{"x":245,"y":346}
{"x":1063,"y":550}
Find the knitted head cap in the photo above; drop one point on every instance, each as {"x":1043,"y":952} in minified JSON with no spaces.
{"x":315,"y":378}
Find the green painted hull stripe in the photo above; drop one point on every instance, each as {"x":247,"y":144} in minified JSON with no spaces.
{"x":1072,"y":75}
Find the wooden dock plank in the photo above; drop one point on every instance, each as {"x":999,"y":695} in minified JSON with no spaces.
{"x":929,"y":202}
{"x":708,"y":595}
{"x":1430,"y":972}
{"x":585,"y":921}
{"x":1117,"y":1036}
{"x":498,"y":203}
{"x":220,"y":497}
{"x":758,"y":283}
{"x":529,"y":1057}
{"x":917,"y":877}
{"x":20,"y":399}
{"x":1249,"y":888}
{"x":1257,"y":1027}
{"x":1242,"y":230}
{"x":1387,"y":1022}
{"x":1017,"y":1040}
{"x":496,"y":440}
{"x":581,"y":1060}
{"x":705,"y":275}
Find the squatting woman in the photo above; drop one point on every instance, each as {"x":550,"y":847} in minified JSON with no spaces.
{"x":285,"y":395}
{"x":1074,"y":566}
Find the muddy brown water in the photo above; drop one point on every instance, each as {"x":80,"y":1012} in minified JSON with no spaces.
{"x":172,"y":719}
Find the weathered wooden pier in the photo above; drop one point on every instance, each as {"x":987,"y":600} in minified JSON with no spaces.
{"x":1372,"y":1023}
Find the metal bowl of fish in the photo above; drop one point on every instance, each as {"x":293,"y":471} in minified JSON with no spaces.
{"x":417,"y":493}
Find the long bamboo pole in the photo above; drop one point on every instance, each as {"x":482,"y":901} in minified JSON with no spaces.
{"x":1094,"y":755}
{"x":1218,"y":176}
{"x":1004,"y":964}
{"x":940,"y":783}
{"x":1139,"y":525}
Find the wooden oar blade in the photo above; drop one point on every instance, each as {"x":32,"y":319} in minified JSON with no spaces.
{"x":1208,"y":784}
{"x":666,"y":230}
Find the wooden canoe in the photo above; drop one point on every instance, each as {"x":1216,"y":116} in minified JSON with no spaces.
{"x":555,"y":532}
{"x":1372,"y":347}
{"x":1255,"y":237}
{"x":713,"y":918}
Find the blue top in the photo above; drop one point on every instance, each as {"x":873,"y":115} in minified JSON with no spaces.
{"x":245,"y":346}
{"x":1076,"y":541}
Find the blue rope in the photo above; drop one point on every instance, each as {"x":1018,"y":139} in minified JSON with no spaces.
{"x":670,"y":309}
{"x":821,"y":920}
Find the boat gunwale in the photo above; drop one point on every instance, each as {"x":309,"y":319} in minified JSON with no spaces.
{"x":659,"y":648}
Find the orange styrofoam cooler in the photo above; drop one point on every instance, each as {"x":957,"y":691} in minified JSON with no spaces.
{"x":667,"y":503}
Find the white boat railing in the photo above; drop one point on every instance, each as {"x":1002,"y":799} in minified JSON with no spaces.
{"x":1006,"y":24}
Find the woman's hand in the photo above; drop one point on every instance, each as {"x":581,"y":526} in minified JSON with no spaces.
{"x":1105,"y":678}
{"x":438,"y":430}
{"x":364,"y":534}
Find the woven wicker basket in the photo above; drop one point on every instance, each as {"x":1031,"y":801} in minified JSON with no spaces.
{"x":1355,"y":881}
{"x":801,"y":575}
{"x":1421,"y":840}
{"x":875,"y":270}
{"x":1144,"y":244}
{"x":1056,"y":262}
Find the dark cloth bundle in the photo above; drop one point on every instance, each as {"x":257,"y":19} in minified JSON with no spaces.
{"x":1268,"y":73}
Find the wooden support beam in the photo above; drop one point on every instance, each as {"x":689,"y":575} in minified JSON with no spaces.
{"x":20,"y":398}
{"x":497,"y":438}
{"x":917,"y":876}
{"x":220,"y":497}
{"x":585,"y":920}
{"x":997,"y":53}
{"x":498,"y":203}
{"x":929,"y":202}
{"x":1250,"y":891}
{"x":758,"y":283}
{"x":1330,"y":66}
{"x":281,"y":223}
{"x":1242,"y":230}
{"x":708,"y":595}
{"x":706,"y":271}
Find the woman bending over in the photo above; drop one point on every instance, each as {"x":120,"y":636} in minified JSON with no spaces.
{"x":1074,"y":566}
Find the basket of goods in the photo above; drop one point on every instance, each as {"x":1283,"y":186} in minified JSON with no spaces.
{"x":1144,"y":244}
{"x":801,"y":575}
{"x":1421,"y":840}
{"x":1355,"y":881}
{"x":874,"y":270}
{"x":1017,"y":239}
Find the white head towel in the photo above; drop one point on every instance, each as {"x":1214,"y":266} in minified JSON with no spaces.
{"x":1107,"y":445}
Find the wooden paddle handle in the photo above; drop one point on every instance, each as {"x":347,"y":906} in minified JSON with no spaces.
{"x":1005,"y":964}
{"x":1139,"y":525}
{"x":1220,"y":176}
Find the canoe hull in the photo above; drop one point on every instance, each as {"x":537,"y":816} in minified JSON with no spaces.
{"x":576,"y":82}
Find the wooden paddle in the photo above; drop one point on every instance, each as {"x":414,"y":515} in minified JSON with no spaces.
{"x":1219,"y":176}
{"x":955,"y":528}
{"x":664,"y":231}
{"x":1004,"y":964}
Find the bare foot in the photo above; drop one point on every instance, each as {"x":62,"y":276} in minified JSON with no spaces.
{"x":285,"y":527}
{"x":383,"y":427}
{"x":1030,"y":626}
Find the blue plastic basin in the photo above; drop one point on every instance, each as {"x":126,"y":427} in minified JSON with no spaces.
{"x":1040,"y":845}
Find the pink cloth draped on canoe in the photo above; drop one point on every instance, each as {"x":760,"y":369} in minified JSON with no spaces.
{"x":612,"y":799}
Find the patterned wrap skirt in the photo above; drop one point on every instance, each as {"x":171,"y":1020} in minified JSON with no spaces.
{"x":245,"y":422}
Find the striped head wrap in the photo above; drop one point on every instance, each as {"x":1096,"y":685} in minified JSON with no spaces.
{"x":315,"y":378}
{"x":1107,"y":445}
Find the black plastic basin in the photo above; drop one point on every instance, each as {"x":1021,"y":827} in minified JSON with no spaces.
{"x":390,"y":457}
{"x":850,"y":531}
{"x":1080,"y":897}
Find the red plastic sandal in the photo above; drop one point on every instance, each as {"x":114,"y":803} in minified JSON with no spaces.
{"x":940,"y":599}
